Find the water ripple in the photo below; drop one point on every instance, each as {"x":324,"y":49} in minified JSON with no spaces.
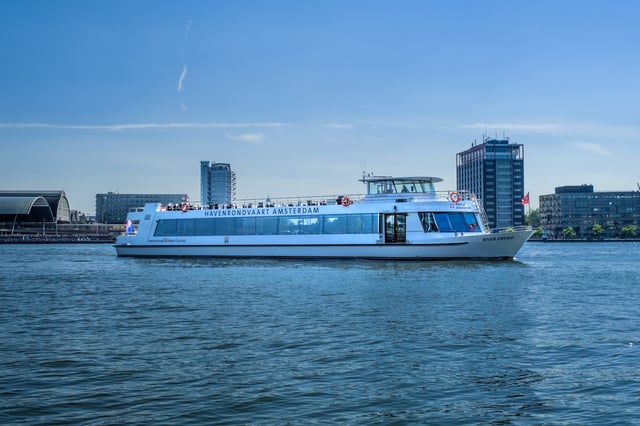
{"x":92,"y":339}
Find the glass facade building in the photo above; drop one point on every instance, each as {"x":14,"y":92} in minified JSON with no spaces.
{"x":113,"y":208}
{"x":217,"y":183}
{"x":581,"y":208}
{"x":494,"y":172}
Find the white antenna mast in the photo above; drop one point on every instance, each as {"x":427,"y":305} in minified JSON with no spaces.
{"x":363,"y":166}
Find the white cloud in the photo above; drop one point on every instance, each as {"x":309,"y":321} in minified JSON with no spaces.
{"x":593,"y":148}
{"x":346,"y":126}
{"x":252,"y":138}
{"x":577,"y":130}
{"x":540,"y":127}
{"x":181,"y":79}
{"x":136,"y":126}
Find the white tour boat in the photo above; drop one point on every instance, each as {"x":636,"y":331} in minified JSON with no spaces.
{"x":398,"y":218}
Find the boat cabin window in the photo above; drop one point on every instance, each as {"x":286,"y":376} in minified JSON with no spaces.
{"x":400,"y":186}
{"x":364,"y":223}
{"x":449,"y":222}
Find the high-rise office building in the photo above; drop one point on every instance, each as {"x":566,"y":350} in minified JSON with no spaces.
{"x":217,"y":183}
{"x":494,"y":172}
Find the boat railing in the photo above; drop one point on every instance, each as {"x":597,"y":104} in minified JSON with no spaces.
{"x":323,"y":200}
{"x":511,"y":229}
{"x":451,"y":196}
{"x":249,"y":203}
{"x":483,"y":214}
{"x":455,"y":196}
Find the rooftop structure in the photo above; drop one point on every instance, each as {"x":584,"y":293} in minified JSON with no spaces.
{"x":34,"y":206}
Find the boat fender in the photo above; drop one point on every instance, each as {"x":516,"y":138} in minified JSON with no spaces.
{"x":454,"y":197}
{"x":346,"y":201}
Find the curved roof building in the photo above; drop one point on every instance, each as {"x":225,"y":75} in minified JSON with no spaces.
{"x":34,"y":206}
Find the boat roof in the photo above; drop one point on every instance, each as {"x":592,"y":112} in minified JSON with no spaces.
{"x":431,"y":179}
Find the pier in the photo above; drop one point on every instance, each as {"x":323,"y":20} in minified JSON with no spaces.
{"x":57,"y":233}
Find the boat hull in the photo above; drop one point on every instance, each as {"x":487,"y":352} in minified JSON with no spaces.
{"x":478,"y":246}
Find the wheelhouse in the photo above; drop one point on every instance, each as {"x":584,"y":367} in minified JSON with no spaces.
{"x":381,"y":187}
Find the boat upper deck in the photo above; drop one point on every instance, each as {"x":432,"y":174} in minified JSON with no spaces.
{"x":379,"y":189}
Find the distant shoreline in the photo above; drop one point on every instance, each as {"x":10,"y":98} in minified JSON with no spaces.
{"x":53,"y":240}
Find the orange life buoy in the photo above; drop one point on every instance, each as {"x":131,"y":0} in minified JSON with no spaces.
{"x":346,"y":201}
{"x":454,"y":197}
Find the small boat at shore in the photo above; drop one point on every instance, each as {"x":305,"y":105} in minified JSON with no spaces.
{"x":397,"y":218}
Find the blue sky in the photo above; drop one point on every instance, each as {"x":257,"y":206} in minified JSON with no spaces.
{"x":300,"y":96}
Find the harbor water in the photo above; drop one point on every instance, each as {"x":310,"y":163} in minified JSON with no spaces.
{"x":552,"y":337}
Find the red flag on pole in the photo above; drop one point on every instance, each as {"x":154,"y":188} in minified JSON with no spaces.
{"x":525,"y":199}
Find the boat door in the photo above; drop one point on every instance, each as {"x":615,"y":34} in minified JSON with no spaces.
{"x":395,"y":228}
